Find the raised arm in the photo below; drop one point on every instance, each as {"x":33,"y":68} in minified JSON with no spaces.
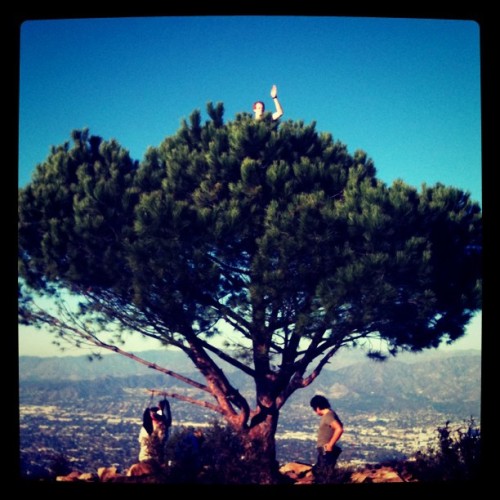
{"x":279,"y":110}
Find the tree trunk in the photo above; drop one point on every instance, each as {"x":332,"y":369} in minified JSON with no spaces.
{"x":260,"y":445}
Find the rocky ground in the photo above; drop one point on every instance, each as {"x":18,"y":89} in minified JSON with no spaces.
{"x":293,"y":473}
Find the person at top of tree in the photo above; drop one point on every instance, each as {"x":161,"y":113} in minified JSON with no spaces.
{"x":259,"y":107}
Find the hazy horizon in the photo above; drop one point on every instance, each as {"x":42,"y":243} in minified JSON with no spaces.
{"x":33,"y":342}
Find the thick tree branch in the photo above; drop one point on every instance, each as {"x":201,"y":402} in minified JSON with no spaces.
{"x":235,"y":320}
{"x":219,"y":386}
{"x":181,"y":397}
{"x":232,"y":269}
{"x":85,"y":335}
{"x":316,"y":371}
{"x":229,"y":359}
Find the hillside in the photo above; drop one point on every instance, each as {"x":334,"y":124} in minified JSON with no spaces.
{"x":443,"y":383}
{"x":440,"y":383}
{"x":89,"y":412}
{"x":109,"y":365}
{"x":116,"y":365}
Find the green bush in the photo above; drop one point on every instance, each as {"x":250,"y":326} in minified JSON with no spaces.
{"x":335,"y":475}
{"x":216,"y":456}
{"x":225,"y":458}
{"x":456,"y":457}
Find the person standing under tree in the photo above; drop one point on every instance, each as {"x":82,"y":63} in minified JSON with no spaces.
{"x":329,"y":431}
{"x":153,"y":436}
{"x":259,"y":107}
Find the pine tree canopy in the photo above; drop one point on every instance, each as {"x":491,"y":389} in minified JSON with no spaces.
{"x":274,"y":234}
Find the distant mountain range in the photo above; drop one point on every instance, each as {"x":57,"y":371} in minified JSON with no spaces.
{"x":449,"y":383}
{"x":109,"y":365}
{"x":116,"y":365}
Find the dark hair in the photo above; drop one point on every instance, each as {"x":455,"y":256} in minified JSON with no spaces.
{"x":259,"y":102}
{"x":147,"y":421}
{"x":158,"y":417}
{"x":319,"y":402}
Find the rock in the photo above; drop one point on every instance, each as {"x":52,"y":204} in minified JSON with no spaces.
{"x":141,"y":469}
{"x":298,"y":472}
{"x":72,"y":476}
{"x":108,"y":474}
{"x":292,"y":472}
{"x":87,"y":476}
{"x":382,"y":474}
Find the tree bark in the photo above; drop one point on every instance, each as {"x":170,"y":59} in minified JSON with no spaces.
{"x":260,"y":444}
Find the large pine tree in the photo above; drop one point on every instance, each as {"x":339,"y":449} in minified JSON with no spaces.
{"x":274,"y":234}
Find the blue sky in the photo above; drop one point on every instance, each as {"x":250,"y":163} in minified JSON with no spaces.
{"x":406,"y":91}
